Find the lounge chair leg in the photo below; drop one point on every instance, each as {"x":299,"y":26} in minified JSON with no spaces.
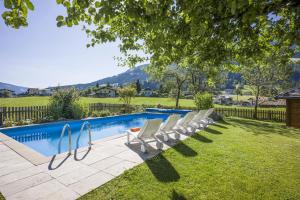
{"x":166,"y":137}
{"x":159,"y":145}
{"x":143,"y":148}
{"x":177,"y":136}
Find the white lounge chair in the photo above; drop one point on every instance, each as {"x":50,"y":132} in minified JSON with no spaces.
{"x":146,"y":134}
{"x":168,"y":127}
{"x":183,"y":124}
{"x":201,"y":120}
{"x":196,"y":122}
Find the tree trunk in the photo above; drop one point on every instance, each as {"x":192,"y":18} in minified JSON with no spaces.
{"x":178,"y":96}
{"x":256,"y":103}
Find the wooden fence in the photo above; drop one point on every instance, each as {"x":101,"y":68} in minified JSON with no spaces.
{"x":272,"y":115}
{"x":40,"y":112}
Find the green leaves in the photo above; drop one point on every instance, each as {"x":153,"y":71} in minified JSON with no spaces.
{"x":59,"y":18}
{"x":97,"y":4}
{"x":8,"y":4}
{"x":29,"y":4}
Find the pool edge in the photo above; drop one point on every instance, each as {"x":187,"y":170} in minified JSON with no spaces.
{"x":27,"y":153}
{"x":35,"y":157}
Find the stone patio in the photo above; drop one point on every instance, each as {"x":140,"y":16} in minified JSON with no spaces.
{"x":69,"y":177}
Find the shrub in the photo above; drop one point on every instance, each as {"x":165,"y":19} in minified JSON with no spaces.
{"x":8,"y":123}
{"x":64,"y":104}
{"x":101,"y":113}
{"x":203,"y":100}
{"x":79,"y":111}
{"x":126,"y":94}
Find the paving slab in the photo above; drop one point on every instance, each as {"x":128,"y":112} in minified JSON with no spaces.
{"x":105,"y":163}
{"x":84,"y":186}
{"x":38,"y":192}
{"x":119,"y":168}
{"x":77,"y":175}
{"x":9,"y":178}
{"x":22,"y":184}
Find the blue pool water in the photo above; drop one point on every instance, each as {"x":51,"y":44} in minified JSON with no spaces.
{"x":168,"y":111}
{"x":44,"y":138}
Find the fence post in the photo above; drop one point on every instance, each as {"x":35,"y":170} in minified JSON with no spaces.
{"x":1,"y":117}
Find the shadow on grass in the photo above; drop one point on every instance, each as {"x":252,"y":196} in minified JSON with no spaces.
{"x":219,"y":125}
{"x":201,"y":138}
{"x":185,"y":150}
{"x":162,"y":169}
{"x":177,"y":196}
{"x":212,"y":131}
{"x":264,"y":128}
{"x":179,"y":146}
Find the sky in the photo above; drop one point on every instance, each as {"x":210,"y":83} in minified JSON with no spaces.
{"x":43,"y":55}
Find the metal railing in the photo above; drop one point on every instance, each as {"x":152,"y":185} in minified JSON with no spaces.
{"x":88,"y":125}
{"x":66,"y":126}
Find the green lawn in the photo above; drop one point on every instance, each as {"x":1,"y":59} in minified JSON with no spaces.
{"x":39,"y":101}
{"x":234,"y":159}
{"x":30,"y":101}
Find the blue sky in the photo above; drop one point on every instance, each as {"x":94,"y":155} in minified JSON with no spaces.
{"x":43,"y":55}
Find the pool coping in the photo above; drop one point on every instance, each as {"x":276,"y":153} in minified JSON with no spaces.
{"x":37,"y":158}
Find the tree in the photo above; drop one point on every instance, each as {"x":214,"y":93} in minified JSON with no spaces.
{"x":97,"y":85}
{"x":210,"y":31}
{"x":238,"y":90}
{"x":266,"y":71}
{"x":138,"y":86}
{"x":176,"y":77}
{"x":126,"y":94}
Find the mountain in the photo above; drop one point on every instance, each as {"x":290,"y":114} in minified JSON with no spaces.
{"x":124,"y":78}
{"x":15,"y":88}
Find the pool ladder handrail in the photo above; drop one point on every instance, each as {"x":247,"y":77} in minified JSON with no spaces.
{"x":88,"y":125}
{"x":66,"y":126}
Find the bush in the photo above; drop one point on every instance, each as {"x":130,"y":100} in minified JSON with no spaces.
{"x":8,"y":123}
{"x":203,"y":100}
{"x":126,"y":94}
{"x":101,"y":113}
{"x":79,"y":110}
{"x":64,"y":105}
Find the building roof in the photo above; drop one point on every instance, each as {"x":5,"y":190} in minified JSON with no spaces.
{"x":3,"y":89}
{"x":291,"y":94}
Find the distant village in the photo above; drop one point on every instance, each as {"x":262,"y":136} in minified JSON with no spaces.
{"x":226,"y":97}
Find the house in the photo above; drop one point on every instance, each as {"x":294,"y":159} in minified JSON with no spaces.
{"x":6,"y":93}
{"x":224,"y":100}
{"x":229,"y":91}
{"x":106,"y":91}
{"x":40,"y":92}
{"x":148,"y":92}
{"x":33,"y":91}
{"x":45,"y":92}
{"x":292,"y":98}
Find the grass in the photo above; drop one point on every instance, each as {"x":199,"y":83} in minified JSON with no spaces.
{"x":233,"y":159}
{"x":39,"y":101}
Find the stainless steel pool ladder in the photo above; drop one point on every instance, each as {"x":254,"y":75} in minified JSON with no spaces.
{"x":66,"y":126}
{"x":88,"y":125}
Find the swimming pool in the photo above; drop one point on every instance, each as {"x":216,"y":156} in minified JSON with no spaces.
{"x":44,"y":138}
{"x":169,"y":111}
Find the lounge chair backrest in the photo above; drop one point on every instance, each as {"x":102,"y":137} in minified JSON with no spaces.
{"x":170,"y":122}
{"x":200,"y":115}
{"x":187,"y":118}
{"x":150,"y":128}
{"x":209,"y":112}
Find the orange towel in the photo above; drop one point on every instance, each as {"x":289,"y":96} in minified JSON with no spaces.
{"x":135,"y":129}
